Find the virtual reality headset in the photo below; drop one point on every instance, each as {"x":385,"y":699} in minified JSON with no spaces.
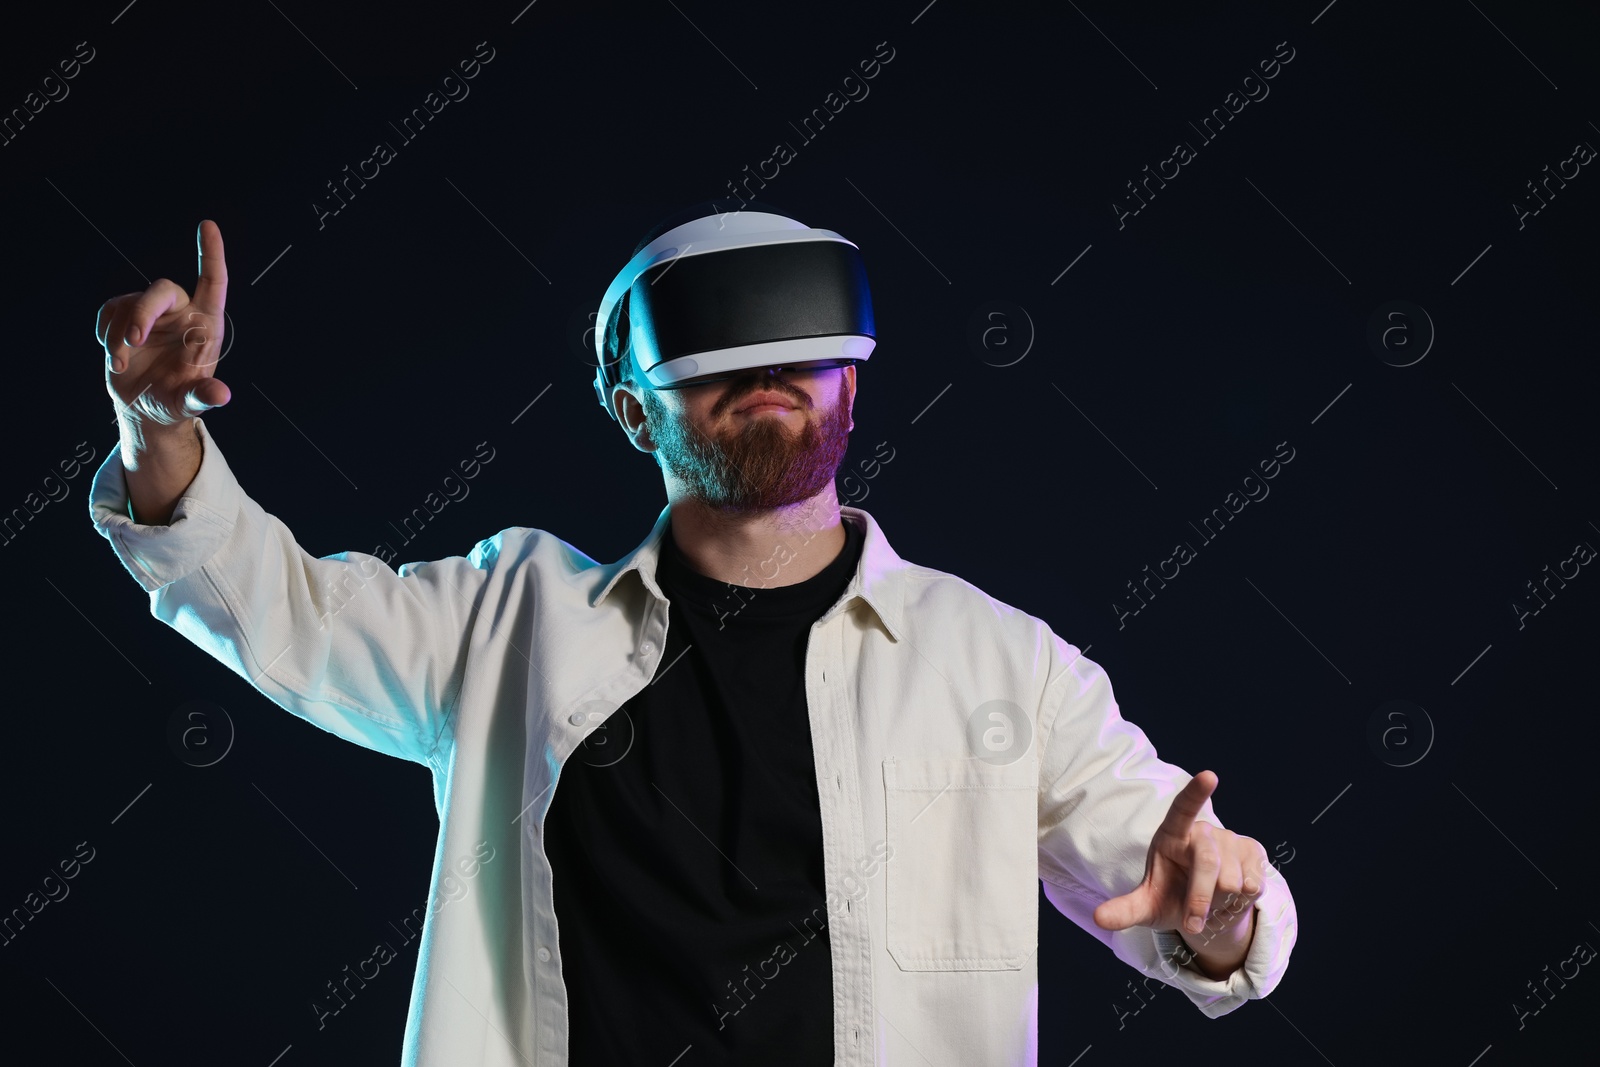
{"x":724,"y":294}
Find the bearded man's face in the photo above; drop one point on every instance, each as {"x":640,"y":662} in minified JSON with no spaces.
{"x":735,"y":457}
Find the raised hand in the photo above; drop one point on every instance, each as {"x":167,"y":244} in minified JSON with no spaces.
{"x":162,"y":347}
{"x":161,"y":352}
{"x":1189,"y":863}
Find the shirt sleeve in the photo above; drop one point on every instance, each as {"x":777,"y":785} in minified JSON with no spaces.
{"x":371,"y":654}
{"x":1102,"y":794}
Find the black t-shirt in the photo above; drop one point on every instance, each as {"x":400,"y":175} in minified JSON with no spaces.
{"x":685,"y":841}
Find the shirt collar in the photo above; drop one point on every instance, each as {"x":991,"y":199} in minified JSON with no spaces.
{"x":877,"y":582}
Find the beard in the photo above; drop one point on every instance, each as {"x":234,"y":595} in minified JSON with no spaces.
{"x":759,"y":465}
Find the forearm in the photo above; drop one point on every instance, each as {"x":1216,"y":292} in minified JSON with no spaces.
{"x":159,"y":463}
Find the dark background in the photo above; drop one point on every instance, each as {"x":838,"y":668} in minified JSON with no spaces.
{"x":1223,"y":319}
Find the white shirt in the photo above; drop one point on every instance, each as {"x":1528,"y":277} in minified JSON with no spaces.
{"x":940,"y":807}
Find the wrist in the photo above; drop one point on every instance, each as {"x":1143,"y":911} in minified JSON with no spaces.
{"x":153,"y":444}
{"x":159,"y":465}
{"x":1222,"y":944}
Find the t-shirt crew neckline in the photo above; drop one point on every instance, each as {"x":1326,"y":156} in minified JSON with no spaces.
{"x":678,"y":578}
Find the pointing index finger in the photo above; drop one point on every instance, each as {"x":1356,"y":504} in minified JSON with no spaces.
{"x":211,"y":291}
{"x":1186,"y":806}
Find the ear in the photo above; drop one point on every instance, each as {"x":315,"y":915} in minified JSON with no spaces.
{"x":629,"y":410}
{"x":850,"y":377}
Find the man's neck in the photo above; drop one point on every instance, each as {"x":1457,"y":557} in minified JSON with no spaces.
{"x":782,"y":546}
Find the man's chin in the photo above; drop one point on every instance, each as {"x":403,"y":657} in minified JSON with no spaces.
{"x":780,"y":481}
{"x":763,"y":463}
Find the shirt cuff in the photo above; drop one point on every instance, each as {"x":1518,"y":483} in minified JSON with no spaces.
{"x":202,"y":520}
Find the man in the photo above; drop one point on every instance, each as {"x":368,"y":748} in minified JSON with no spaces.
{"x":806,"y":788}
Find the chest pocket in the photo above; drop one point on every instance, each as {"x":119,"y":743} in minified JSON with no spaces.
{"x":962,"y":886}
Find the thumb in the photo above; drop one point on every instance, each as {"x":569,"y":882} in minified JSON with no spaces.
{"x":1130,"y":909}
{"x":206,"y":394}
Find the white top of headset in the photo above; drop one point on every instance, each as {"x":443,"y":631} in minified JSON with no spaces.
{"x":713,"y":233}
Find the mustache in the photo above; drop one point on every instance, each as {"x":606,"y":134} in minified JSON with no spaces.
{"x":732,"y":400}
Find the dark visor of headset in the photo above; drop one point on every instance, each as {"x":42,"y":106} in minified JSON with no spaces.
{"x":745,"y":296}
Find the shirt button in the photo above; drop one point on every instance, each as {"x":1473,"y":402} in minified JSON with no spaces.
{"x":647,"y":648}
{"x":577,"y":718}
{"x":543,"y":954}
